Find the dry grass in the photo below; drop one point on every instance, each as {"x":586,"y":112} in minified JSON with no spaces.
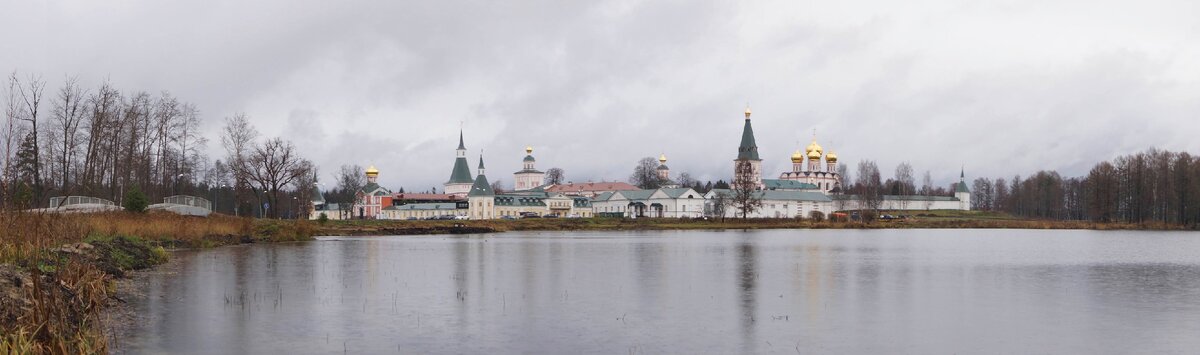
{"x":54,"y":304}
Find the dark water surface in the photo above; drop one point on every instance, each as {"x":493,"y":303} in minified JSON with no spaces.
{"x":779,"y":291}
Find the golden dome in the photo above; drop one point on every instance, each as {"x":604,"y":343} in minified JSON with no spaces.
{"x":797,"y":157}
{"x":528,"y":150}
{"x":814,"y":155}
{"x":372,"y":170}
{"x":814,"y":147}
{"x":831,"y":157}
{"x":747,"y":112}
{"x":662,"y":158}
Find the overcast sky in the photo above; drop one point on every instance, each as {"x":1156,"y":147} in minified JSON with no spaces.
{"x":1002,"y":88}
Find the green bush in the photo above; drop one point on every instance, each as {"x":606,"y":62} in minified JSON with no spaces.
{"x":322,"y":219}
{"x":135,"y":200}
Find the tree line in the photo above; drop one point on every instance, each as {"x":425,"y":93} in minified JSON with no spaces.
{"x":103,"y":141}
{"x":1150,"y":186}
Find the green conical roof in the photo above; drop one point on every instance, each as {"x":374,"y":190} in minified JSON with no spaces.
{"x":461,"y":173}
{"x":481,"y":187}
{"x":748,"y":150}
{"x":461,"y":146}
{"x":962,"y":182}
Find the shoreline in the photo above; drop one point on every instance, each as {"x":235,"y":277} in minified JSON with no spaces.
{"x":387,"y":227}
{"x":85,"y":275}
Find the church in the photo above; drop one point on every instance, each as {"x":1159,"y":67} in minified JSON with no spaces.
{"x":814,"y":189}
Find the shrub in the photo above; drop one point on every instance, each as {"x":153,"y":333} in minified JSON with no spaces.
{"x":135,"y":200}
{"x":322,"y":219}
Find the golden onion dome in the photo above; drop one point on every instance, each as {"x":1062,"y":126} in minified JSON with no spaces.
{"x":372,"y":170}
{"x":814,"y":155}
{"x":662,"y":159}
{"x":528,"y":150}
{"x":797,"y":157}
{"x":814,"y":147}
{"x":831,"y":157}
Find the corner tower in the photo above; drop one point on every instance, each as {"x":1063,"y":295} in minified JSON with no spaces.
{"x":748,"y":153}
{"x":460,"y":177}
{"x":481,"y":199}
{"x":961,"y":192}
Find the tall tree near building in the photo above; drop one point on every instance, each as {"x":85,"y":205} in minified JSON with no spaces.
{"x":238,"y":139}
{"x":982,"y":194}
{"x":869,"y":188}
{"x":719,"y":204}
{"x":306,"y":187}
{"x":350,"y":179}
{"x":905,"y":183}
{"x":68,"y":114}
{"x":645,"y":174}
{"x":745,"y":194}
{"x":844,"y":174}
{"x":927,"y":189}
{"x":273,"y":166}
{"x":497,"y":186}
{"x":555,"y":176}
{"x":685,"y":180}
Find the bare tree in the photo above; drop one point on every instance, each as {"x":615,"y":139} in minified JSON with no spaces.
{"x":843,"y":172}
{"x":746,"y":196}
{"x":350,"y":180}
{"x":32,"y":94}
{"x":306,"y":188}
{"x":497,"y":186}
{"x":555,"y":176}
{"x":685,"y":180}
{"x":645,"y":174}
{"x":274,"y":166}
{"x":11,"y":135}
{"x":719,"y":204}
{"x":904,"y":179}
{"x":68,"y":114}
{"x":238,"y":138}
{"x":869,"y":188}
{"x":927,"y":189}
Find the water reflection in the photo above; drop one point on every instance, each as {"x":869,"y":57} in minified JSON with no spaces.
{"x":682,"y":292}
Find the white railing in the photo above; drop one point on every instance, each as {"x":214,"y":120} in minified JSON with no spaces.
{"x":189,"y":201}
{"x":63,"y":201}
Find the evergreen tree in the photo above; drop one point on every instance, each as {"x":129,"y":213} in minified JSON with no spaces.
{"x":135,"y":200}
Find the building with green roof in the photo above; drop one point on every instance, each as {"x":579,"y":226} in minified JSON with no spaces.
{"x":460,"y":180}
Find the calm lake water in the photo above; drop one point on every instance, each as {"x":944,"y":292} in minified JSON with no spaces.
{"x":725,"y":292}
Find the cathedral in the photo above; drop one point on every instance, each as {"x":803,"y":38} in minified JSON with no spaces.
{"x":812,"y":177}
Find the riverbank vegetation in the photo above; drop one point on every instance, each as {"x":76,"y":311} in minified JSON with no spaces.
{"x":57,"y":270}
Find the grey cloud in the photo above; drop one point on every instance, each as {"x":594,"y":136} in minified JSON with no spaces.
{"x":1002,"y":88}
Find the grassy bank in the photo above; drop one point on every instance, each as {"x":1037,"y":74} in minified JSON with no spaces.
{"x":57,"y":270}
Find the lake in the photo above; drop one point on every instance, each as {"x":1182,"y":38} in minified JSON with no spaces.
{"x":688,"y":292}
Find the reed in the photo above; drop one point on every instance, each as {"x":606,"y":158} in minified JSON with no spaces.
{"x":54,"y":286}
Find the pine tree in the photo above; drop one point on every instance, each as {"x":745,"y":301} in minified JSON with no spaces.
{"x":135,"y":200}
